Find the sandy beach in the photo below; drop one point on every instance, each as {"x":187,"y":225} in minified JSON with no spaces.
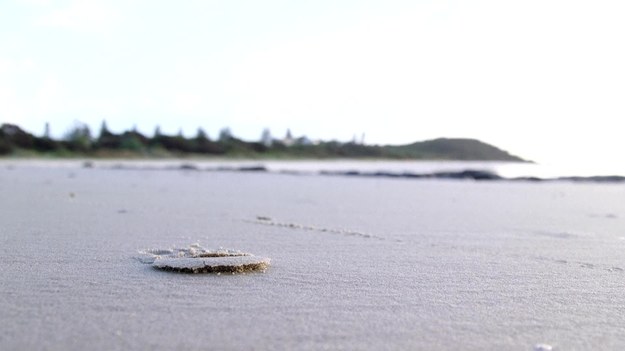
{"x":356,"y":263}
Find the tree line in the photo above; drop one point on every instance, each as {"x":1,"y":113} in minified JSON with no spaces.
{"x":79,"y":140}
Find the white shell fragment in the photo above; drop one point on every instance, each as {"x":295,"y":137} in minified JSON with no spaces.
{"x":196,"y":259}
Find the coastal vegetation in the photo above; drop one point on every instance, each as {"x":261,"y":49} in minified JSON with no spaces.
{"x":79,"y":142}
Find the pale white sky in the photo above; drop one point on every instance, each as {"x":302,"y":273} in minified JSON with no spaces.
{"x":542,"y":79}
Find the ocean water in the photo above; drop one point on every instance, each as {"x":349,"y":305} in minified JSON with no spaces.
{"x":356,"y":263}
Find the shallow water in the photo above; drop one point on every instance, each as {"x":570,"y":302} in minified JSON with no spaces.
{"x":504,"y":169}
{"x":356,"y":263}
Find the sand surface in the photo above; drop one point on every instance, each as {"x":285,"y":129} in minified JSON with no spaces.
{"x":356,"y":263}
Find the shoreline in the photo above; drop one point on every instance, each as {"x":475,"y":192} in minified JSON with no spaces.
{"x":383,"y":168}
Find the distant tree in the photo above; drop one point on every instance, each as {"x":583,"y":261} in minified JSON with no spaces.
{"x":203,"y":144}
{"x":45,"y":144}
{"x":288,"y":139}
{"x":79,"y":137}
{"x":46,"y":131}
{"x":5,"y":147}
{"x":266,"y":138}
{"x":131,"y":141}
{"x":303,"y":140}
{"x":175,"y":143}
{"x":107,"y":139}
{"x":13,"y":137}
{"x":225,"y":134}
{"x":16,"y":137}
{"x":104,"y":131}
{"x":5,"y":141}
{"x":201,"y":134}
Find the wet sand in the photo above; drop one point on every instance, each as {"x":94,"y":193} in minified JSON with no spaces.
{"x":356,"y":262}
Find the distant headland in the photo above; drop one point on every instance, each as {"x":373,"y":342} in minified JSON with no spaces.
{"x":79,"y":142}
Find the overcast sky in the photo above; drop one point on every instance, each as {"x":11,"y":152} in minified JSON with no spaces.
{"x":542,"y":79}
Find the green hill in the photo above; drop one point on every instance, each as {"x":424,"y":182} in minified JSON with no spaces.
{"x":451,"y":149}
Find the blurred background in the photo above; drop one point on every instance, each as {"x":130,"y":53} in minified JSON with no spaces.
{"x":540,"y":79}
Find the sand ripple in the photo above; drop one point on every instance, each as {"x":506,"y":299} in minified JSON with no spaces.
{"x":346,"y":232}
